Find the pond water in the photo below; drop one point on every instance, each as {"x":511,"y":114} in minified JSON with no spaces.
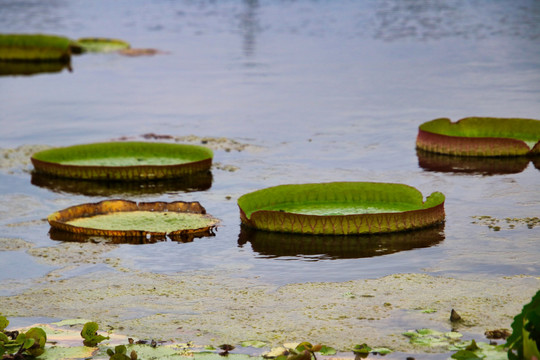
{"x":302,"y":91}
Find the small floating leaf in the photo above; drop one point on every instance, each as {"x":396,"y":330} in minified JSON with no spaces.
{"x":90,"y":335}
{"x":4,"y":322}
{"x":102,"y":44}
{"x":253,"y":343}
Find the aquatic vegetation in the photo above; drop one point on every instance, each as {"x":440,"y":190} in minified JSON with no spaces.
{"x":35,"y":47}
{"x":340,"y":208}
{"x":524,"y":343}
{"x":102,"y":44}
{"x":363,"y":350}
{"x":16,"y":345}
{"x":128,"y":219}
{"x":119,"y":353}
{"x":473,"y":350}
{"x":90,"y":335}
{"x":433,"y":338}
{"x":126,"y":161}
{"x":306,"y":351}
{"x":480,"y":136}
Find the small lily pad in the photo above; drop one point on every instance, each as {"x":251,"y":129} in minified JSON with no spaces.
{"x":122,"y":218}
{"x":93,"y":44}
{"x":480,"y":136}
{"x":340,"y":208}
{"x":127,"y":161}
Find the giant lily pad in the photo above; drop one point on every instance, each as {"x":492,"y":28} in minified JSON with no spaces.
{"x":35,"y":47}
{"x":480,"y":136}
{"x":102,"y":44}
{"x":124,"y":161}
{"x":340,"y":208}
{"x":122,"y":218}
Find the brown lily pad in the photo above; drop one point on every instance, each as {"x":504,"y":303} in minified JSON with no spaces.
{"x":128,"y":219}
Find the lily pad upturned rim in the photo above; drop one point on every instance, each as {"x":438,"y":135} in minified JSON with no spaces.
{"x":50,"y":161}
{"x":253,"y":212}
{"x":102,"y":44}
{"x":58,"y":220}
{"x":480,"y":136}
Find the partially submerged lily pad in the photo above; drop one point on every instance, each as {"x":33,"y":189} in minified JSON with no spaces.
{"x":340,"y":208}
{"x":93,"y":44}
{"x":35,"y":47}
{"x":122,"y":218}
{"x":480,"y":136}
{"x":124,"y":161}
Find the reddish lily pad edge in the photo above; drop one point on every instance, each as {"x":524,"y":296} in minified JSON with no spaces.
{"x":480,"y":136}
{"x":58,"y":220}
{"x":253,"y":208}
{"x":50,"y":161}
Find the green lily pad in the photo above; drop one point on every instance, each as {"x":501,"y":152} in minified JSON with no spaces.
{"x":126,"y":161}
{"x":102,"y":44}
{"x":340,"y":208}
{"x":35,"y":47}
{"x":122,"y":218}
{"x":480,"y":136}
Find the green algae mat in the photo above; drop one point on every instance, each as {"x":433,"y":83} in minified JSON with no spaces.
{"x":480,"y":136}
{"x":123,"y":161}
{"x":340,"y":208}
{"x":127,"y":219}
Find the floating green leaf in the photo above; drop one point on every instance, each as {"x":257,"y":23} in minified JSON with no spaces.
{"x":253,"y":343}
{"x":481,"y":350}
{"x":4,"y":322}
{"x":90,"y":335}
{"x":480,"y":136}
{"x":102,"y":44}
{"x":340,"y":208}
{"x":127,"y":161}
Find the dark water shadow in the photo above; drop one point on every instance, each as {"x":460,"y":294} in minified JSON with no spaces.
{"x":474,"y":165}
{"x":27,"y":68}
{"x":60,"y":235}
{"x":196,"y":182}
{"x":321,"y":247}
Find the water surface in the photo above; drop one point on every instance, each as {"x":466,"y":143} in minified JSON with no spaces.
{"x":320,"y":91}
